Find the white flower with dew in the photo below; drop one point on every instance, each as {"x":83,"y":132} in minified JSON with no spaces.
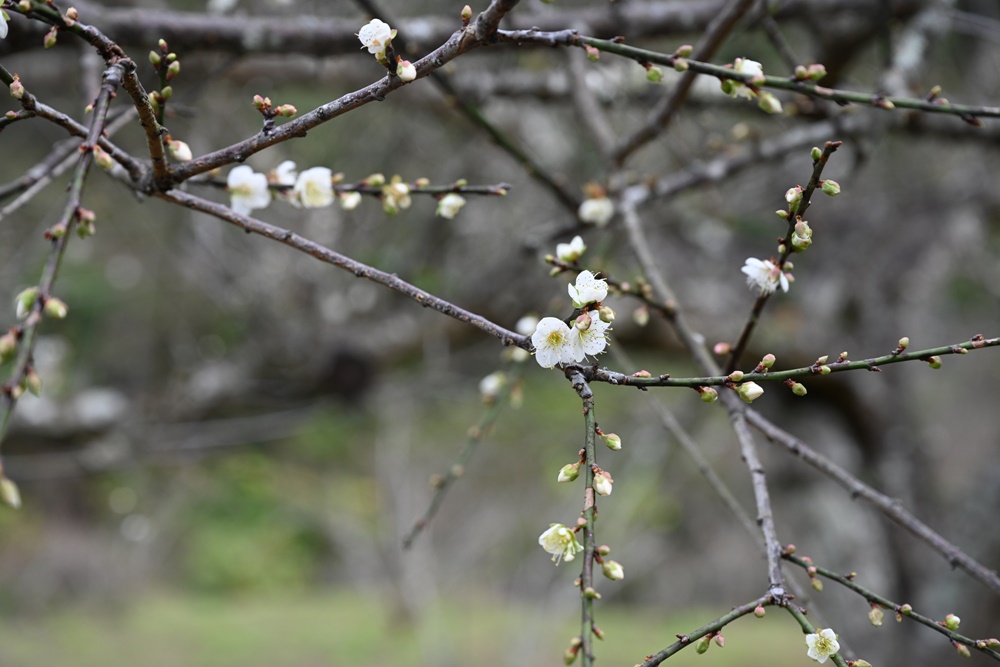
{"x":449,"y":205}
{"x":554,"y":343}
{"x":247,"y":190}
{"x":764,"y":275}
{"x":822,"y":645}
{"x":588,"y":289}
{"x":314,"y":187}
{"x":561,"y":542}
{"x":375,"y":36}
{"x":597,"y":211}
{"x":572,"y":251}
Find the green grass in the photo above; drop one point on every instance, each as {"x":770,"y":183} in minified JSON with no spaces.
{"x":346,"y":629}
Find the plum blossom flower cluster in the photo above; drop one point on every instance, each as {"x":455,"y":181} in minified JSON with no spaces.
{"x":556,"y":342}
{"x":751,"y":68}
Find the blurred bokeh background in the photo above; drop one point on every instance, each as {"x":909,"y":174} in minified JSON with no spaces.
{"x":234,"y":438}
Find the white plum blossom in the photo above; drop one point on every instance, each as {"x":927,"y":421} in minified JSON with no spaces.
{"x":314,"y":187}
{"x":822,"y":645}
{"x":247,"y":190}
{"x":449,"y":205}
{"x":561,"y":542}
{"x":588,"y":289}
{"x":603,"y":483}
{"x":526,"y":325}
{"x":593,"y":340}
{"x":554,"y":343}
{"x":572,"y":251}
{"x":350,"y":200}
{"x":375,"y":37}
{"x":179,"y":151}
{"x":490,"y":386}
{"x":745,"y":66}
{"x":3,"y":24}
{"x":285,"y":174}
{"x":764,"y":275}
{"x":597,"y":211}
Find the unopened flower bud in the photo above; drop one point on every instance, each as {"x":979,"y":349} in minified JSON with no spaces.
{"x":569,"y":657}
{"x":722,"y":349}
{"x":750,"y":391}
{"x":25,"y":301}
{"x":154,"y":59}
{"x":642,"y":374}
{"x":736,"y":376}
{"x":720,"y":641}
{"x":654,"y":74}
{"x":597,"y":632}
{"x":9,"y":492}
{"x":606,"y":314}
{"x":8,"y":346}
{"x":604,"y":550}
{"x":406,"y":71}
{"x":286,"y":110}
{"x":769,"y":103}
{"x":801,"y":73}
{"x":466,"y":14}
{"x":825,"y":370}
{"x":591,"y":593}
{"x":951,"y":622}
{"x":963,"y":650}
{"x":180,"y":151}
{"x":261,"y":103}
{"x":16,"y":87}
{"x":681,"y":65}
{"x":641,"y":316}
{"x":793,"y":196}
{"x":799,"y":389}
{"x":50,"y":38}
{"x":55,"y":308}
{"x":904,"y":343}
{"x":613,"y":441}
{"x":708,"y":394}
{"x":768,"y":360}
{"x":33,"y":382}
{"x":993,"y":643}
{"x":727,"y":86}
{"x":934,"y":362}
{"x":876,"y":616}
{"x":859,"y":663}
{"x":831,"y":188}
{"x":613,"y":570}
{"x":703,"y":644}
{"x":817,"y":72}
{"x":817,"y":584}
{"x":905,"y":609}
{"x":583,"y":322}
{"x":569,"y":472}
{"x":684,"y":51}
{"x":759,"y":611}
{"x":173,"y":70}
{"x":603,"y":483}
{"x":815,"y":153}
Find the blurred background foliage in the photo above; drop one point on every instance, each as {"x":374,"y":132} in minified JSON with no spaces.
{"x":234,"y":438}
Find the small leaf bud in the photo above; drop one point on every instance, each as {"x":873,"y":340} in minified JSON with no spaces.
{"x":815,"y":153}
{"x":613,"y":441}
{"x":759,"y":611}
{"x":727,"y":86}
{"x":951,"y":622}
{"x":934,"y":362}
{"x":876,"y":616}
{"x":831,"y":188}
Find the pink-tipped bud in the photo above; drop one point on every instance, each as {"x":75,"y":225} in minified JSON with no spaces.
{"x":759,"y":611}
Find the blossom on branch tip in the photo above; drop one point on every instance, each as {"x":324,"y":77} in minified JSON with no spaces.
{"x":314,"y":187}
{"x":764,"y":275}
{"x":247,"y":190}
{"x":561,"y":542}
{"x":597,"y":211}
{"x":572,"y":251}
{"x":375,"y":37}
{"x":822,"y":645}
{"x":449,"y":205}
{"x":554,"y":343}
{"x":588,"y":289}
